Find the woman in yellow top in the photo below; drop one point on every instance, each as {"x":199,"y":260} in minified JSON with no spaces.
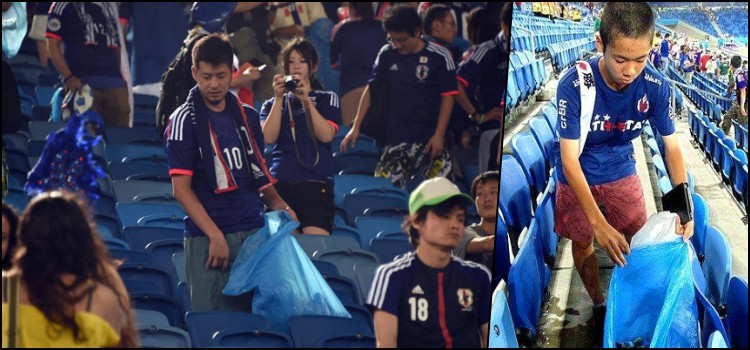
{"x":70,"y":292}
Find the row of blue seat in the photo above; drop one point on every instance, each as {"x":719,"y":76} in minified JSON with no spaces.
{"x":566,"y":53}
{"x":732,"y":21}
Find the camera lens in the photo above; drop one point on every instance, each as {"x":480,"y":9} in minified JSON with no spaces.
{"x":289,"y":83}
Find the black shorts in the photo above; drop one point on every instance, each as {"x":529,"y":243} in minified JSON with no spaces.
{"x":312,"y":201}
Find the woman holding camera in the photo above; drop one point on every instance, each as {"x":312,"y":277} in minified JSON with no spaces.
{"x":301,"y":122}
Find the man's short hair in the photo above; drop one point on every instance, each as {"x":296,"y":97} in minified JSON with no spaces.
{"x":736,"y":61}
{"x":442,"y":209}
{"x":506,"y":14}
{"x":434,"y":13}
{"x":626,"y":19}
{"x":482,"y":179}
{"x":214,"y":49}
{"x":402,"y":18}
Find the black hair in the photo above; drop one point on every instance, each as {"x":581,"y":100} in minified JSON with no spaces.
{"x":11,"y":215}
{"x":736,"y":61}
{"x":506,"y":14}
{"x":213,"y":49}
{"x":483,"y":178}
{"x":308,"y":52}
{"x":626,"y":19}
{"x":434,"y":13}
{"x":481,"y":26}
{"x":402,"y":18}
{"x":442,"y":209}
{"x":363,"y":9}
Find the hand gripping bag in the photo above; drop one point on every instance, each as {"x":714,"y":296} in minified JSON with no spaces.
{"x":653,"y":297}
{"x":285,"y":281}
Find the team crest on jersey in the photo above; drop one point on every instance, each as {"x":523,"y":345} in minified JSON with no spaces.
{"x":643,"y":104}
{"x":423,"y":59}
{"x":465,"y":298}
{"x":422,"y":72}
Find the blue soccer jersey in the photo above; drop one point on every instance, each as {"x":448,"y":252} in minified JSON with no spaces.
{"x":232,"y":211}
{"x":89,"y":33}
{"x":482,"y":74}
{"x":617,"y":119}
{"x":285,"y":165}
{"x":416,"y":83}
{"x":358,"y":43}
{"x":435,"y":307}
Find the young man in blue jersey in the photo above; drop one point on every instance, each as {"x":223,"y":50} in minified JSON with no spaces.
{"x":421,"y":80}
{"x":599,"y":194}
{"x":739,"y":106}
{"x":428,"y":298}
{"x":218,"y":171}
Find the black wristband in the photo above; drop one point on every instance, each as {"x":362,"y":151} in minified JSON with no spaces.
{"x":68,"y":78}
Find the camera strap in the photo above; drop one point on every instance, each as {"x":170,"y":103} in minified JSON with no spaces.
{"x":310,"y":131}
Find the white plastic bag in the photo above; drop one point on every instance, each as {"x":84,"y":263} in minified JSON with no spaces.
{"x":660,"y":228}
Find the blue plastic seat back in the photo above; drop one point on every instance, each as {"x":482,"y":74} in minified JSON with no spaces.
{"x":308,"y":331}
{"x":659,"y":166}
{"x":313,"y":243}
{"x":388,"y":249}
{"x":150,"y":214}
{"x":739,"y":158}
{"x":139,"y":171}
{"x":168,"y":306}
{"x":727,"y":148}
{"x":501,"y":263}
{"x":665,"y":184}
{"x":515,"y":195}
{"x":356,"y":204}
{"x":717,"y":265}
{"x":150,"y":273}
{"x":346,"y":259}
{"x":359,"y":312}
{"x":370,"y":226}
{"x":143,"y":191}
{"x":153,"y":336}
{"x":736,"y":319}
{"x":251,"y":338}
{"x":138,"y":237}
{"x":710,"y":320}
{"x":527,"y":279}
{"x":502,"y":331}
{"x":701,"y":218}
{"x":545,"y":220}
{"x":344,"y":184}
{"x":531,"y":158}
{"x":544,"y":136}
{"x":203,"y":325}
{"x":345,"y":288}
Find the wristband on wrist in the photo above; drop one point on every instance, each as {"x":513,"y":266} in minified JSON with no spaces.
{"x":68,"y":78}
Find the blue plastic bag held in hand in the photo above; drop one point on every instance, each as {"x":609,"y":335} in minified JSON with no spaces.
{"x":653,"y":297}
{"x":285,"y":281}
{"x":14,"y":28}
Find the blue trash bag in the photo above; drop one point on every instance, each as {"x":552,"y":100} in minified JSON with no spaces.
{"x":14,"y":28}
{"x":285,"y":281}
{"x":653,"y":297}
{"x":502,"y":332}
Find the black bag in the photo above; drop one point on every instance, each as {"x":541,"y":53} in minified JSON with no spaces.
{"x":679,"y":201}
{"x":375,"y":124}
{"x":177,"y":81}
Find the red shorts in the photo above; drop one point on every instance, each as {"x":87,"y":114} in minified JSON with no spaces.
{"x":621,"y":202}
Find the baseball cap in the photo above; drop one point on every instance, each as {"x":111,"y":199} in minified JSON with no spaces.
{"x":433,"y":192}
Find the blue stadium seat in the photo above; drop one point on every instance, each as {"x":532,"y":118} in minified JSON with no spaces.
{"x":17,"y":159}
{"x":659,"y":166}
{"x":162,"y":252}
{"x":364,"y":145}
{"x":717,"y":267}
{"x":139,"y":171}
{"x":350,"y":163}
{"x":502,"y":262}
{"x":149,"y":317}
{"x":388,"y":249}
{"x":356,"y":204}
{"x":161,"y":336}
{"x":150,"y":214}
{"x":168,"y":306}
{"x":143,"y":191}
{"x":549,"y":111}
{"x":44,"y":95}
{"x":544,"y":137}
{"x":739,"y":180}
{"x":121,"y":153}
{"x":39,"y":130}
{"x":250,"y":338}
{"x":138,"y":237}
{"x":344,"y":184}
{"x":545,"y":219}
{"x":736,"y":319}
{"x":326,"y":268}
{"x":313,"y":243}
{"x":502,"y":331}
{"x":345,"y":288}
{"x":716,"y":341}
{"x":364,"y":274}
{"x":527,"y":279}
{"x":727,"y":163}
{"x":665,"y":185}
{"x":346,"y":259}
{"x":359,"y":312}
{"x":515,"y":198}
{"x":369,"y":227}
{"x":701,"y":218}
{"x":150,"y":274}
{"x":202,"y":326}
{"x":709,"y":318}
{"x":135,"y":135}
{"x":329,"y":331}
{"x":346,"y":231}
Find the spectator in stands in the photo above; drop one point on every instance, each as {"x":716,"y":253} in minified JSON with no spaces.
{"x":10,"y":226}
{"x":91,"y":35}
{"x":215,"y":163}
{"x":478,"y":241}
{"x":357,"y":40}
{"x":724,"y":69}
{"x":439,"y":27}
{"x":428,"y":298}
{"x":421,"y":83}
{"x":70,"y":292}
{"x":738,"y":111}
{"x":479,"y":76}
{"x":687,"y":64}
{"x":655,"y":57}
{"x":599,"y":194}
{"x":301,"y":124}
{"x":705,"y":43}
{"x":665,"y":50}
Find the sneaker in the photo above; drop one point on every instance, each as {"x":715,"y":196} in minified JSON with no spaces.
{"x":597,"y":323}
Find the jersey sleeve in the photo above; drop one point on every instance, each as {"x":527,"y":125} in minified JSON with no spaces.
{"x":265,"y":110}
{"x":485,"y":299}
{"x":253,"y":118}
{"x":384,"y":293}
{"x":741,"y":81}
{"x":378,"y":68}
{"x":469,"y":70}
{"x":660,"y":112}
{"x":180,"y":143}
{"x":447,"y":76}
{"x":329,"y":108}
{"x":569,"y":107}
{"x":56,"y":20}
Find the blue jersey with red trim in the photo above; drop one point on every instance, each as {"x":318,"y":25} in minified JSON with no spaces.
{"x":617,"y":119}
{"x":285,"y":165}
{"x":232,"y":211}
{"x":416,"y":84}
{"x":435,"y":307}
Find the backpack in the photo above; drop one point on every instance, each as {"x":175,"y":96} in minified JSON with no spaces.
{"x":177,"y":81}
